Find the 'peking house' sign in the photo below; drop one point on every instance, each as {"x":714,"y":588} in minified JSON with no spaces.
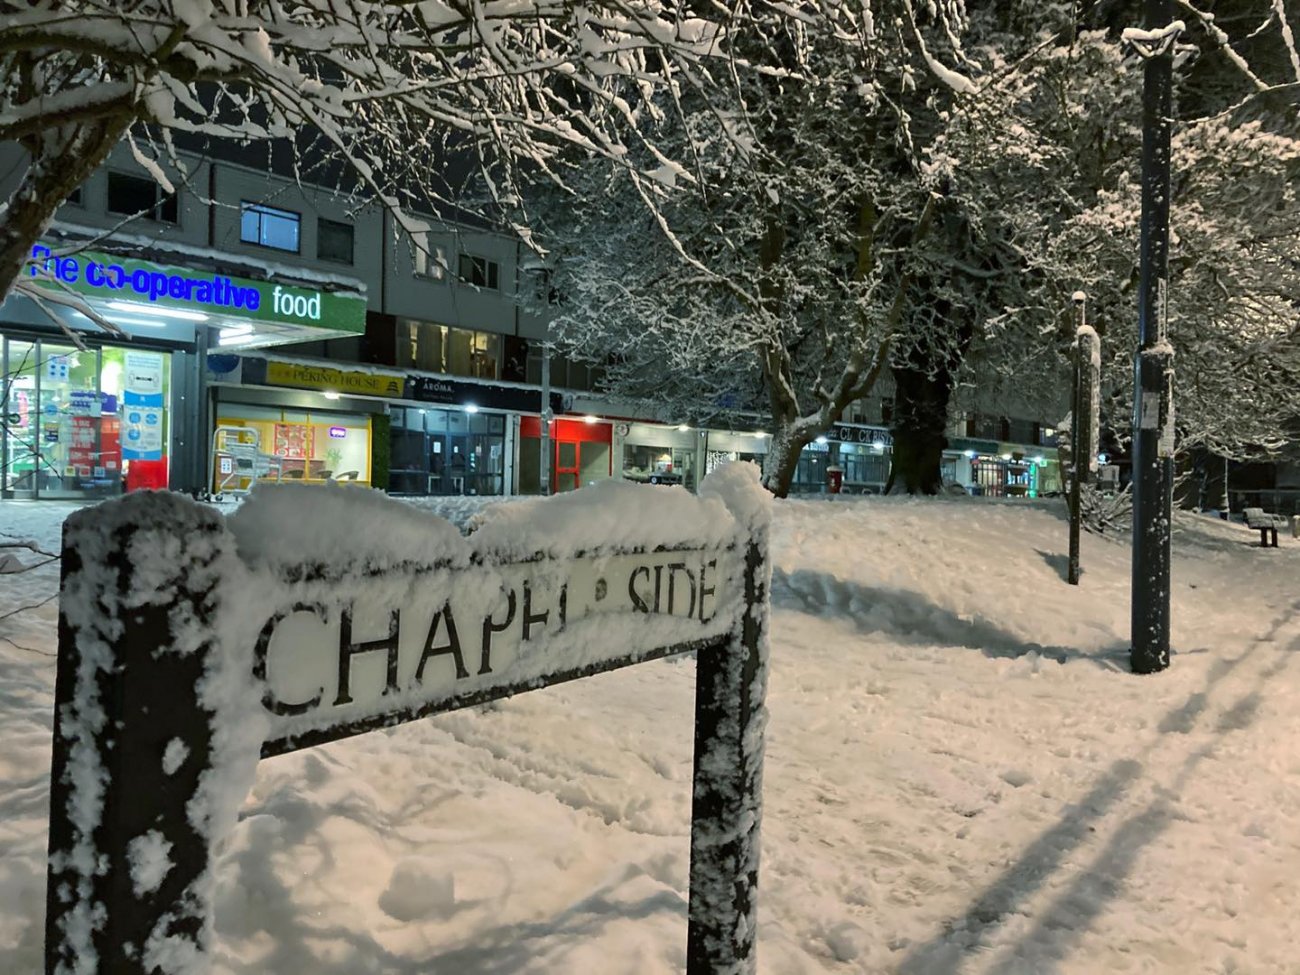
{"x":192,"y":644}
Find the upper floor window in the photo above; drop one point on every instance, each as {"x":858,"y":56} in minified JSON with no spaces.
{"x":139,"y":194}
{"x":479,"y":271}
{"x":74,"y":197}
{"x":269,"y":227}
{"x":333,"y":240}
{"x":430,"y":259}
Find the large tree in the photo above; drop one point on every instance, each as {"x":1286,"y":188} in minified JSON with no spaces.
{"x":892,"y":213}
{"x":1234,"y":277}
{"x":787,"y":259}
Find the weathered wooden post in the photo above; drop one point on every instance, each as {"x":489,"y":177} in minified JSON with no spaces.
{"x":1083,"y":446}
{"x":730,"y":684}
{"x":133,"y":737}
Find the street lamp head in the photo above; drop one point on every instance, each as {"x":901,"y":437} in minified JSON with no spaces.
{"x":1078,"y":297}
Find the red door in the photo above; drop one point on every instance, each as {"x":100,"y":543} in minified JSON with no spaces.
{"x":576,"y":446}
{"x":568,"y":465}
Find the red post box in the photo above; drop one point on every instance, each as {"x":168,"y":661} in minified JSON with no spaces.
{"x":834,"y":479}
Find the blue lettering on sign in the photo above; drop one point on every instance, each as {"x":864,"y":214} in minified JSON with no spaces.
{"x":152,"y":285}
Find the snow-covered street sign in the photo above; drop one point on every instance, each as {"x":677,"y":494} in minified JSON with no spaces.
{"x":191,"y":644}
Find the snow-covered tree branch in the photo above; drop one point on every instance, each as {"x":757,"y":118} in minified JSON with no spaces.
{"x":381,"y":85}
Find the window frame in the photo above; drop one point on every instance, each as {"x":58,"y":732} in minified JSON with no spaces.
{"x":161,"y":199}
{"x":488,"y":268}
{"x":321,"y":222}
{"x":428,"y":260}
{"x":263,"y":209}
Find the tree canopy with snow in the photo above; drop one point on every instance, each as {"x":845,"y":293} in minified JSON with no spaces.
{"x":892,"y":213}
{"x":389,"y":88}
{"x":780,"y":269}
{"x":1234,"y":273}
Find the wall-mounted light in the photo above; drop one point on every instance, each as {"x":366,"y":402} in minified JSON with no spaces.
{"x":330,"y":394}
{"x":820,"y":440}
{"x":969,"y":453}
{"x":471,"y":408}
{"x":590,"y":419}
{"x":683,"y":428}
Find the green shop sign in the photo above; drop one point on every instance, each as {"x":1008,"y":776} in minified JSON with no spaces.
{"x":117,"y":278}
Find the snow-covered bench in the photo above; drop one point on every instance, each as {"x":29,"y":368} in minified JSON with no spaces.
{"x":1257,"y":519}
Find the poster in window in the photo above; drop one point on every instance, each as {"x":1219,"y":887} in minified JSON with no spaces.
{"x":142,"y":401}
{"x":82,"y":448}
{"x":293,"y":441}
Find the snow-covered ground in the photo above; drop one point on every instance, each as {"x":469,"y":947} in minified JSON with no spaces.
{"x":962,"y":777}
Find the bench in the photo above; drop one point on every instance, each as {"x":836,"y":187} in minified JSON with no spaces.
{"x":1259,"y":520}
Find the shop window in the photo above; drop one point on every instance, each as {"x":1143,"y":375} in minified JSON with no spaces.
{"x":269,"y":227}
{"x":140,"y":195}
{"x":447,"y":452}
{"x":659,"y":463}
{"x":479,"y":271}
{"x":333,"y":240}
{"x":266,"y":443}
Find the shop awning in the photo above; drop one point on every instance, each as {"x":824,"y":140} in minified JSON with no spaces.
{"x":245,"y":312}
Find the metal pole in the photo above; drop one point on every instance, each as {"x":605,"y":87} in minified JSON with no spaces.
{"x":1153,"y":389}
{"x":1226,"y":507}
{"x":1083,"y":436}
{"x":1076,"y":431}
{"x":545,"y":465}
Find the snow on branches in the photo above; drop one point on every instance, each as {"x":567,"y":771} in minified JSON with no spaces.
{"x":392,"y":89}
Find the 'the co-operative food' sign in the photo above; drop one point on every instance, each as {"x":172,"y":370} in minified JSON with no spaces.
{"x":116,"y":278}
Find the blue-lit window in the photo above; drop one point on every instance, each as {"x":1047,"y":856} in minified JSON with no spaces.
{"x":270,"y":227}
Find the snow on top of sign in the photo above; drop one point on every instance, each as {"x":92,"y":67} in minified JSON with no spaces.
{"x":271,"y":270}
{"x":739,"y":487}
{"x":282,"y":525}
{"x":605,"y":515}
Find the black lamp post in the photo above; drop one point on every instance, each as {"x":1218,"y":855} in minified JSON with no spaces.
{"x":1153,"y":420}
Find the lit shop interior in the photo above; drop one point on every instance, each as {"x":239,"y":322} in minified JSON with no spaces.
{"x":275,"y":443}
{"x":83,"y":423}
{"x":127,"y":411}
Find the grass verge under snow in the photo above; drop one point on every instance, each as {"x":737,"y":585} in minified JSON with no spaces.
{"x":962,"y":777}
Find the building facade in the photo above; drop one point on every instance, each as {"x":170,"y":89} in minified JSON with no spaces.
{"x":262,"y":329}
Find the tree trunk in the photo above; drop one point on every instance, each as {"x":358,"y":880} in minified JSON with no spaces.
{"x":56,"y":169}
{"x":781,"y":461}
{"x":920,"y":419}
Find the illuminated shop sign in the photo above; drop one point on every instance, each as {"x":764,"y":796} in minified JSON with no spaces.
{"x":332,"y":380}
{"x":868,"y":435}
{"x":111,"y":277}
{"x":338,"y":433}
